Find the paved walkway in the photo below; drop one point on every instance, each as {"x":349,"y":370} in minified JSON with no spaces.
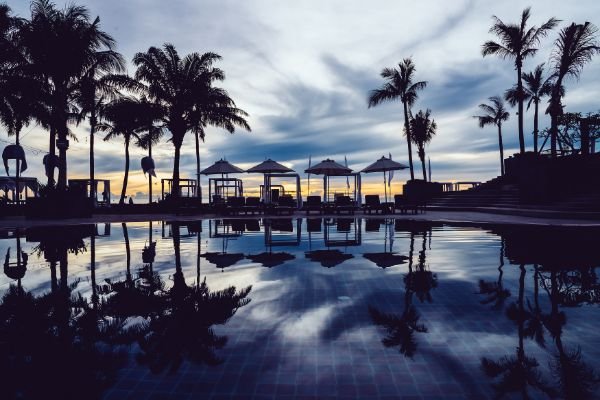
{"x":450,"y":217}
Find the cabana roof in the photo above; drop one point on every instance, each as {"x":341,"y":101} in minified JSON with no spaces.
{"x":221,"y":167}
{"x":328,"y":167}
{"x":269,"y":166}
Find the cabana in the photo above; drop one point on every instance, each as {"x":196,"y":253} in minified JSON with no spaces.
{"x":347,"y":232}
{"x":329,"y":168}
{"x":286,"y":234}
{"x":29,"y":186}
{"x":84,"y":186}
{"x":187,"y":187}
{"x":219,"y":189}
{"x":272,"y":169}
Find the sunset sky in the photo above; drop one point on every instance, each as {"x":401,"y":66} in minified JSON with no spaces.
{"x":303,"y":71}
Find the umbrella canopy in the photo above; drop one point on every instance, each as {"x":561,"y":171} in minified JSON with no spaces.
{"x":223,"y":260}
{"x":269,"y":166}
{"x":385,"y":260}
{"x":221,"y":167}
{"x":268,"y":259}
{"x":384,"y":164}
{"x":328,"y":167}
{"x":328,"y":258}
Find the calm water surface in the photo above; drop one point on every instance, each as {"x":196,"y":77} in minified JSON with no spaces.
{"x":297,"y":308}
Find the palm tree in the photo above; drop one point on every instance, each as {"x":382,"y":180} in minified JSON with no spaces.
{"x":182,"y":88}
{"x":60,"y":47}
{"x":400,"y":86}
{"x":495,"y":114}
{"x":122,"y":117}
{"x":96,"y":86}
{"x":423,"y":130}
{"x":575,"y":46}
{"x":152,"y":136}
{"x":518,"y":42}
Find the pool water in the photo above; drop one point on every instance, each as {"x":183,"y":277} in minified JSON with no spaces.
{"x":299,"y":308}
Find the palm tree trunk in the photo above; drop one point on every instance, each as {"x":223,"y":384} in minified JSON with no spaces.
{"x":422,"y":157}
{"x":92,"y":172}
{"x":93,"y":270}
{"x":521,"y":349}
{"x":175,"y":194}
{"x":125,"y":178}
{"x":150,"y":175}
{"x":535,"y":128}
{"x":501,"y":146}
{"x":520,"y":94}
{"x":197,"y":165}
{"x":127,"y":252}
{"x":555,"y":109}
{"x":52,"y":152}
{"x":17,"y":176}
{"x":408,"y":141}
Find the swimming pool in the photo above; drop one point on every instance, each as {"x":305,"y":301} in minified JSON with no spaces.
{"x":299,"y":308}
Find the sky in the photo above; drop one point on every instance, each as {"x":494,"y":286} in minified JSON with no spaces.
{"x":303,"y":71}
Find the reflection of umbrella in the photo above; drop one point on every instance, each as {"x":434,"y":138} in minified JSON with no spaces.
{"x":386,"y":260}
{"x":383,"y":165}
{"x":223,"y":260}
{"x":268,"y":259}
{"x":328,"y":258}
{"x":221,"y":167}
{"x":15,"y":270}
{"x":328,"y":167}
{"x":269,"y":166}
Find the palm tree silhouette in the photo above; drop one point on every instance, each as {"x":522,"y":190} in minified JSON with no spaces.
{"x":400,"y":86}
{"x":152,"y":136}
{"x":60,"y":46}
{"x":98,"y":84}
{"x":182,"y":88}
{"x":496,"y":292}
{"x":517,"y":42}
{"x":423,"y":130}
{"x":422,"y":280}
{"x":401,"y":329}
{"x":495,"y":114}
{"x":517,"y":373}
{"x":123,"y":117}
{"x":575,"y":46}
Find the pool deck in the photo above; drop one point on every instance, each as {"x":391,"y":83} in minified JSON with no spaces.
{"x":450,"y":217}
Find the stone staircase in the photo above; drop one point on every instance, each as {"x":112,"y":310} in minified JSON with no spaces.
{"x":497,"y":193}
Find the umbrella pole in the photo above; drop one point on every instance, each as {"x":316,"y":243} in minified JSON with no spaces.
{"x":384,"y":187}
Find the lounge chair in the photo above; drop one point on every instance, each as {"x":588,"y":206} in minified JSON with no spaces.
{"x":343,"y":204}
{"x":235,"y":205}
{"x":252,"y":225}
{"x":372,"y":203}
{"x":372,"y":225}
{"x":286,"y":204}
{"x":344,"y":224}
{"x":313,"y":203}
{"x":253,"y":205}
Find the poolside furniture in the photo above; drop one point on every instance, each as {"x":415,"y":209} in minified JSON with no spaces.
{"x":235,"y":205}
{"x":313,"y":203}
{"x":343,"y":204}
{"x":286,"y":204}
{"x":372,"y":225}
{"x":344,"y":224}
{"x":252,"y":225}
{"x":253,"y":205}
{"x":372,"y":203}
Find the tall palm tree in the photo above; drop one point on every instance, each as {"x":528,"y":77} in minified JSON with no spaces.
{"x":495,"y":114}
{"x":61,"y":45}
{"x":400,"y":86}
{"x":423,"y":130}
{"x":517,"y":42}
{"x":182,"y":87}
{"x":152,"y":136}
{"x":122,"y":117}
{"x":97,"y":85}
{"x":575,"y":46}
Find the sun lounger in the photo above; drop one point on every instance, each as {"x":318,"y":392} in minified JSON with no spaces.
{"x":343,"y":204}
{"x":253,"y":205}
{"x":372,"y":203}
{"x":313,"y":203}
{"x":286,"y":204}
{"x":314,"y":224}
{"x":235,"y":205}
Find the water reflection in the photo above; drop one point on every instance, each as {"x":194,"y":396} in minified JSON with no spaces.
{"x":507,"y":312}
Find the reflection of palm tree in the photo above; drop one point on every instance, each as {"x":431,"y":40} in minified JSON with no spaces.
{"x":401,"y":329}
{"x":576,"y":379}
{"x":422,"y":279}
{"x":516,"y":373}
{"x":495,"y":291}
{"x":534,"y":317}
